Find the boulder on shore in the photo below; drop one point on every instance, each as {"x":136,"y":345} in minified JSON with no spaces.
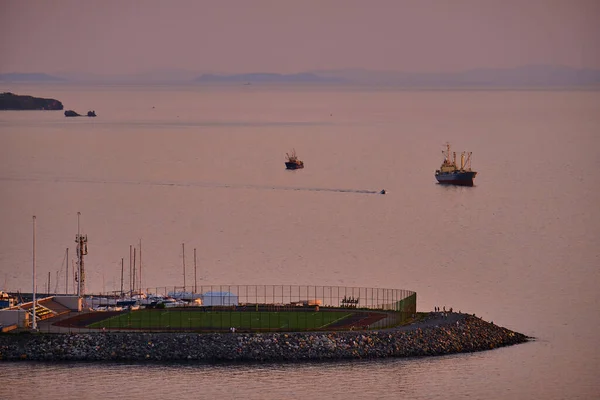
{"x":11,"y":101}
{"x":439,"y":336}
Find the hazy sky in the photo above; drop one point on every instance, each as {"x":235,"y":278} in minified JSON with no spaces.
{"x":230,"y":36}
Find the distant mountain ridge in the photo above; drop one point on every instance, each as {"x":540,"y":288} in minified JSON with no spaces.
{"x":29,"y":77}
{"x":304,"y":77}
{"x":526,"y":76}
{"x":531,"y":76}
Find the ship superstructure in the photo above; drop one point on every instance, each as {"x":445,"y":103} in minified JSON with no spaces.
{"x":292,"y":161}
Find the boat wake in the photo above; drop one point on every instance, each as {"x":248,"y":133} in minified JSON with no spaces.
{"x":214,"y":185}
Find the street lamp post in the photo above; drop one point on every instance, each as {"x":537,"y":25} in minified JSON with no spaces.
{"x":34,"y":322}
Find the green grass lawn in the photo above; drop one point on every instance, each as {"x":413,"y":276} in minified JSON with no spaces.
{"x":244,"y":320}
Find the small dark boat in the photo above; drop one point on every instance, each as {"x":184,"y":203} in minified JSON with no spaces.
{"x":292,"y":161}
{"x":449,"y":172}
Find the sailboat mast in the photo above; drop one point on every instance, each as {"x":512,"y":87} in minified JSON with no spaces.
{"x":195,"y":280}
{"x":183,"y":248}
{"x":134,"y":281}
{"x":140,"y":285}
{"x":130,"y":268}
{"x":122,"y":277}
{"x":67,"y":273}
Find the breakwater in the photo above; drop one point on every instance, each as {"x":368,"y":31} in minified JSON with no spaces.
{"x":428,"y":338}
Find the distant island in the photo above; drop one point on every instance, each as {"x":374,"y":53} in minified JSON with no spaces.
{"x":11,"y":101}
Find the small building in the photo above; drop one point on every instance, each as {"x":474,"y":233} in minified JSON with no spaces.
{"x":14,"y":317}
{"x":219,"y":299}
{"x":188,"y":296}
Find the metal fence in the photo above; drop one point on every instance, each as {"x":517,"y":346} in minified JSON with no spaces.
{"x":326,"y":296}
{"x":241,"y":308}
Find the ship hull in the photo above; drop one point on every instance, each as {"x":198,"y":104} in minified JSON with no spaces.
{"x":456,"y":178}
{"x":292,"y":165}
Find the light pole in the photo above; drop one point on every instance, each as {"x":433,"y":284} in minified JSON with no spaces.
{"x":78,"y":257}
{"x":34,"y":323}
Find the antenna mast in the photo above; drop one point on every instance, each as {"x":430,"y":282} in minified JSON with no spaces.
{"x":81,"y":241}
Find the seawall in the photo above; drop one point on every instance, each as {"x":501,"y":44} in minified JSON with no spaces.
{"x":433,"y":337}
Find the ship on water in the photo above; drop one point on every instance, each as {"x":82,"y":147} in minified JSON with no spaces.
{"x":451,"y":174}
{"x":292,"y":161}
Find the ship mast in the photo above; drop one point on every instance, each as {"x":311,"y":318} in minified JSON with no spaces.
{"x":447,"y":152}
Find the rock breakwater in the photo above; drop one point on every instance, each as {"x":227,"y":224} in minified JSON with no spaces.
{"x":464,"y":334}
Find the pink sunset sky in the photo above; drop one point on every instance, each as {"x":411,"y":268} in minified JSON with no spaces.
{"x":285,"y":36}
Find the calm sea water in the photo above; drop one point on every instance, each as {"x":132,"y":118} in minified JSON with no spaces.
{"x":205,"y":167}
